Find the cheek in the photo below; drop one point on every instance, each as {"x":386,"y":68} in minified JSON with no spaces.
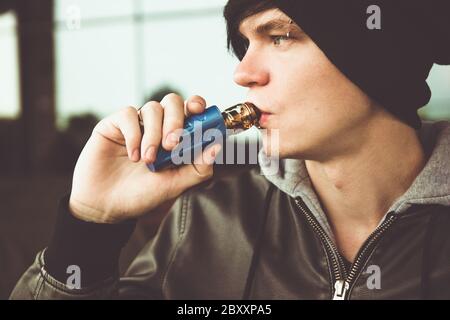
{"x":304,"y":80}
{"x":316,"y":92}
{"x":317,"y":104}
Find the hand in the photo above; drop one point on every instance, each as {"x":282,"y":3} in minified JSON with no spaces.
{"x":111,"y":182}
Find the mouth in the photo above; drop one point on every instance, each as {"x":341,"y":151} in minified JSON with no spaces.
{"x":264,"y":119}
{"x":263,"y":115}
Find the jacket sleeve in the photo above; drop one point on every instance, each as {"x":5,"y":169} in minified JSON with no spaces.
{"x":93,"y":251}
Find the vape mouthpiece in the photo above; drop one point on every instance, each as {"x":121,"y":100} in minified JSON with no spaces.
{"x":242,"y":116}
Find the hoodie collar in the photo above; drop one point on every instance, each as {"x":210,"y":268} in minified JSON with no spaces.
{"x":431,"y":186}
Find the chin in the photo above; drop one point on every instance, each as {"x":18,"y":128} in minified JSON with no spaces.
{"x":271,"y":147}
{"x":284,"y":151}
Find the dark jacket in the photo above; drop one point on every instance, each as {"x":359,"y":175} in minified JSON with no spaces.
{"x":256,"y":236}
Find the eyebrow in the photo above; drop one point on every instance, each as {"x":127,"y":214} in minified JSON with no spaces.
{"x":275,"y":25}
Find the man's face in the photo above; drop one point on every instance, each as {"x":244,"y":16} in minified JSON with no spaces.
{"x":319,"y":112}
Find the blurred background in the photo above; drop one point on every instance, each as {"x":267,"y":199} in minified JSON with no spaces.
{"x":65,"y":64}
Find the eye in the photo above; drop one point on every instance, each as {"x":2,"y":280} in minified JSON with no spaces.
{"x":279,"y":38}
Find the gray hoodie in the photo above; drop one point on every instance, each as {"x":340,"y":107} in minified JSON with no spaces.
{"x":431,"y":186}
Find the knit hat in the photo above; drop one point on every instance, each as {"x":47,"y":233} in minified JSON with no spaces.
{"x":390,"y":57}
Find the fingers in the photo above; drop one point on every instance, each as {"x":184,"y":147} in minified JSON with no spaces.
{"x":163,"y":125}
{"x":152,"y":117}
{"x":175,"y":111}
{"x":127,"y":122}
{"x":173,"y":122}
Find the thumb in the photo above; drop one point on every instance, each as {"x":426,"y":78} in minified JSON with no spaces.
{"x":202,"y":168}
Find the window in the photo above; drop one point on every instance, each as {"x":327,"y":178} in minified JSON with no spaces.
{"x":439,"y":105}
{"x":121,"y":51}
{"x":9,"y":74}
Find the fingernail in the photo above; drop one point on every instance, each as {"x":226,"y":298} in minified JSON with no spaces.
{"x":150,"y":154}
{"x":196,"y":105}
{"x":172,"y":139}
{"x":135,"y":155}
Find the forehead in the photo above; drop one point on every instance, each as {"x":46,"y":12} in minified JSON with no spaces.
{"x":250,"y":24}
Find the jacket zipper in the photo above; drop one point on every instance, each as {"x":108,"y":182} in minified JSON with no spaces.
{"x":344,"y":282}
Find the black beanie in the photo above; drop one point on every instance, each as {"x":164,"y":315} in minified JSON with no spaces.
{"x":390,"y":64}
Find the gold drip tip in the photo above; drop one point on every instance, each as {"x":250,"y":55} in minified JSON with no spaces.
{"x":242,"y":116}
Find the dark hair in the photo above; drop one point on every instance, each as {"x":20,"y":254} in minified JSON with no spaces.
{"x":234,"y":13}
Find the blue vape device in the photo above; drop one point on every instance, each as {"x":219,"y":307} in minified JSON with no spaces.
{"x":193,"y":139}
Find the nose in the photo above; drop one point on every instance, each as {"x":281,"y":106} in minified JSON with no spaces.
{"x":250,"y":71}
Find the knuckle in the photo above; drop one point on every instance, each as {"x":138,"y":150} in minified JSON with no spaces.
{"x":103,"y":121}
{"x":172,"y":100}
{"x":125,"y":113}
{"x":128,"y":110}
{"x":152,"y":106}
{"x":101,"y":124}
{"x":173,"y":96}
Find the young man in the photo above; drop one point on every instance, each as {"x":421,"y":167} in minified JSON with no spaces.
{"x":360,"y":208}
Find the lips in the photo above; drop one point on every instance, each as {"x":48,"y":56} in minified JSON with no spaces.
{"x":264,"y":115}
{"x":263,"y":120}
